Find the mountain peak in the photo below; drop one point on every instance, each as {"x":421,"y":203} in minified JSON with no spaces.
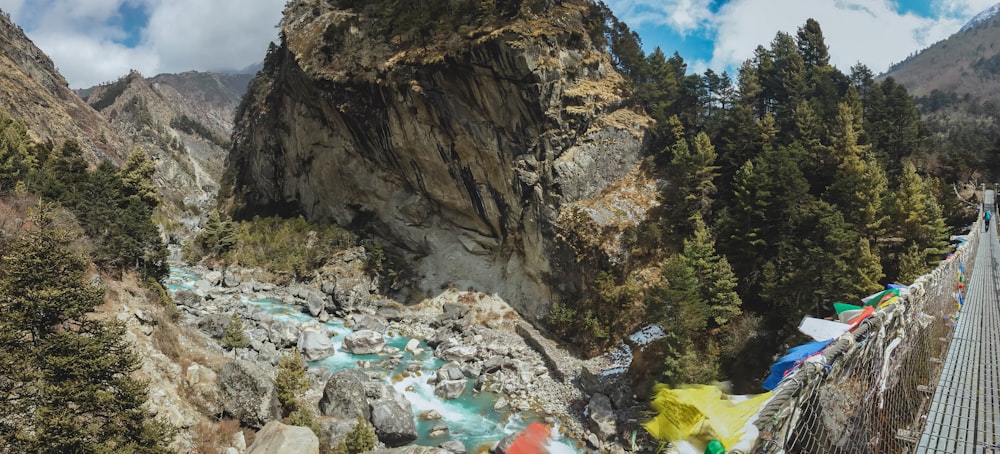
{"x":983,"y":16}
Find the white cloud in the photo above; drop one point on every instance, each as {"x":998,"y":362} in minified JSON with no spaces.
{"x":683,"y":16}
{"x":871,"y":31}
{"x":83,"y":37}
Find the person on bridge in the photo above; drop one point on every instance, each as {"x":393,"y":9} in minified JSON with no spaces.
{"x":986,"y":218}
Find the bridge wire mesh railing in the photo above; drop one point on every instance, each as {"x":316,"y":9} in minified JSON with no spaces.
{"x":868,"y":391}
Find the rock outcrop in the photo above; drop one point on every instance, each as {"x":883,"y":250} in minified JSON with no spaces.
{"x":278,"y":438}
{"x":248,"y":393}
{"x":460,"y":150}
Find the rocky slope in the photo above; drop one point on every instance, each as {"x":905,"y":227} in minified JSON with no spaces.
{"x":33,"y":90}
{"x":184,"y":122}
{"x":967,"y":62}
{"x":457,"y":136}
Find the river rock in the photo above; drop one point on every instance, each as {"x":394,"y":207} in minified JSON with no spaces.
{"x":369,"y":322}
{"x":449,"y":389}
{"x":214,"y":278}
{"x":248,"y":393}
{"x":453,"y":447}
{"x":363,"y":342}
{"x":601,"y":417}
{"x":392,"y":417}
{"x":278,"y":438}
{"x":315,"y":345}
{"x":413,"y":347}
{"x":344,"y":395}
{"x":284,"y":334}
{"x":451,"y":351}
{"x":412,"y":449}
{"x":438,"y":431}
{"x":232,"y":278}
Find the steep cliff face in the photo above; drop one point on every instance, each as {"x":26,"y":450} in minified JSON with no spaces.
{"x":33,"y":90}
{"x":459,"y":141}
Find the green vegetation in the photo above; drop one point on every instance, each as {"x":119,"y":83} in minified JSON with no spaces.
{"x":111,"y":93}
{"x":192,"y":126}
{"x":791,"y":187}
{"x":358,"y":440}
{"x":292,"y":247}
{"x":234,"y":337}
{"x":291,"y":381}
{"x":65,"y":378}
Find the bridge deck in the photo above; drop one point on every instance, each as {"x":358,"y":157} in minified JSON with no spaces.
{"x":964,"y":415}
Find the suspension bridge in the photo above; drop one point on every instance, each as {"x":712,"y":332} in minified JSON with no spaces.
{"x":921,"y":375}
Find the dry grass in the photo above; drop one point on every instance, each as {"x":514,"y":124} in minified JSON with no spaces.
{"x":210,"y":437}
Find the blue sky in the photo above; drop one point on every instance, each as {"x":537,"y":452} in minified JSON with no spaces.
{"x":721,"y":34}
{"x":94,"y":41}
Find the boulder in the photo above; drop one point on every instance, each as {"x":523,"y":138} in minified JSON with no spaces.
{"x":351,"y":293}
{"x":315,"y":345}
{"x":453,"y":447}
{"x":213,"y":278}
{"x":344,"y":395}
{"x":284,"y":334}
{"x":278,"y":438}
{"x":214,"y":324}
{"x":369,"y":322}
{"x":364,"y":342}
{"x":449,"y":351}
{"x":413,"y":347}
{"x":392,"y":417}
{"x":450,"y":389}
{"x":232,"y":278}
{"x":248,"y":393}
{"x":601,"y":417}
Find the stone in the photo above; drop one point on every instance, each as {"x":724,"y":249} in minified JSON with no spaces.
{"x":369,"y":322}
{"x":144,"y":317}
{"x":315,"y":345}
{"x":248,"y":393}
{"x":493,"y":364}
{"x":392,"y":417}
{"x":278,"y":438}
{"x":500,"y":404}
{"x":601,"y":417}
{"x":239,"y":441}
{"x":413,"y":347}
{"x":283,"y":334}
{"x":232,"y":278}
{"x":229,"y":450}
{"x":451,"y":352}
{"x":214,"y":324}
{"x":412,"y":449}
{"x":449,"y":389}
{"x":363,"y":342}
{"x":438,"y":431}
{"x":430,"y":415}
{"x":193,"y":374}
{"x":453,"y":447}
{"x":213,"y":278}
{"x":345,"y":395}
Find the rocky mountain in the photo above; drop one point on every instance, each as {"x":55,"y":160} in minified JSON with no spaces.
{"x":33,"y":90}
{"x":184,"y":122}
{"x":479,"y":141}
{"x":968,"y":62}
{"x":983,"y":16}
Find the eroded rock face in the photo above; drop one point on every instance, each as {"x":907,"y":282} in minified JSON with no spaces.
{"x":461,"y":155}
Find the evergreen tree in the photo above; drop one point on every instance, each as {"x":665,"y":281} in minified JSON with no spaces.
{"x":15,"y":160}
{"x":66,"y":384}
{"x":860,"y":185}
{"x":919,"y":222}
{"x":137,"y":178}
{"x":291,"y":381}
{"x":233,"y":336}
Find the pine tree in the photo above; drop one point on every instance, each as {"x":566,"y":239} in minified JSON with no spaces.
{"x":15,"y":160}
{"x":715,"y":278}
{"x":291,"y":381}
{"x":918,"y":219}
{"x":137,"y":178}
{"x":233,"y":336}
{"x":66,"y":383}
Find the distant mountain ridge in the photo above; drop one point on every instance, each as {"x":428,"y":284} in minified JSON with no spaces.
{"x":983,"y":16}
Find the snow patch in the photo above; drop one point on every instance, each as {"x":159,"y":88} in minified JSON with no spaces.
{"x":984,"y":16}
